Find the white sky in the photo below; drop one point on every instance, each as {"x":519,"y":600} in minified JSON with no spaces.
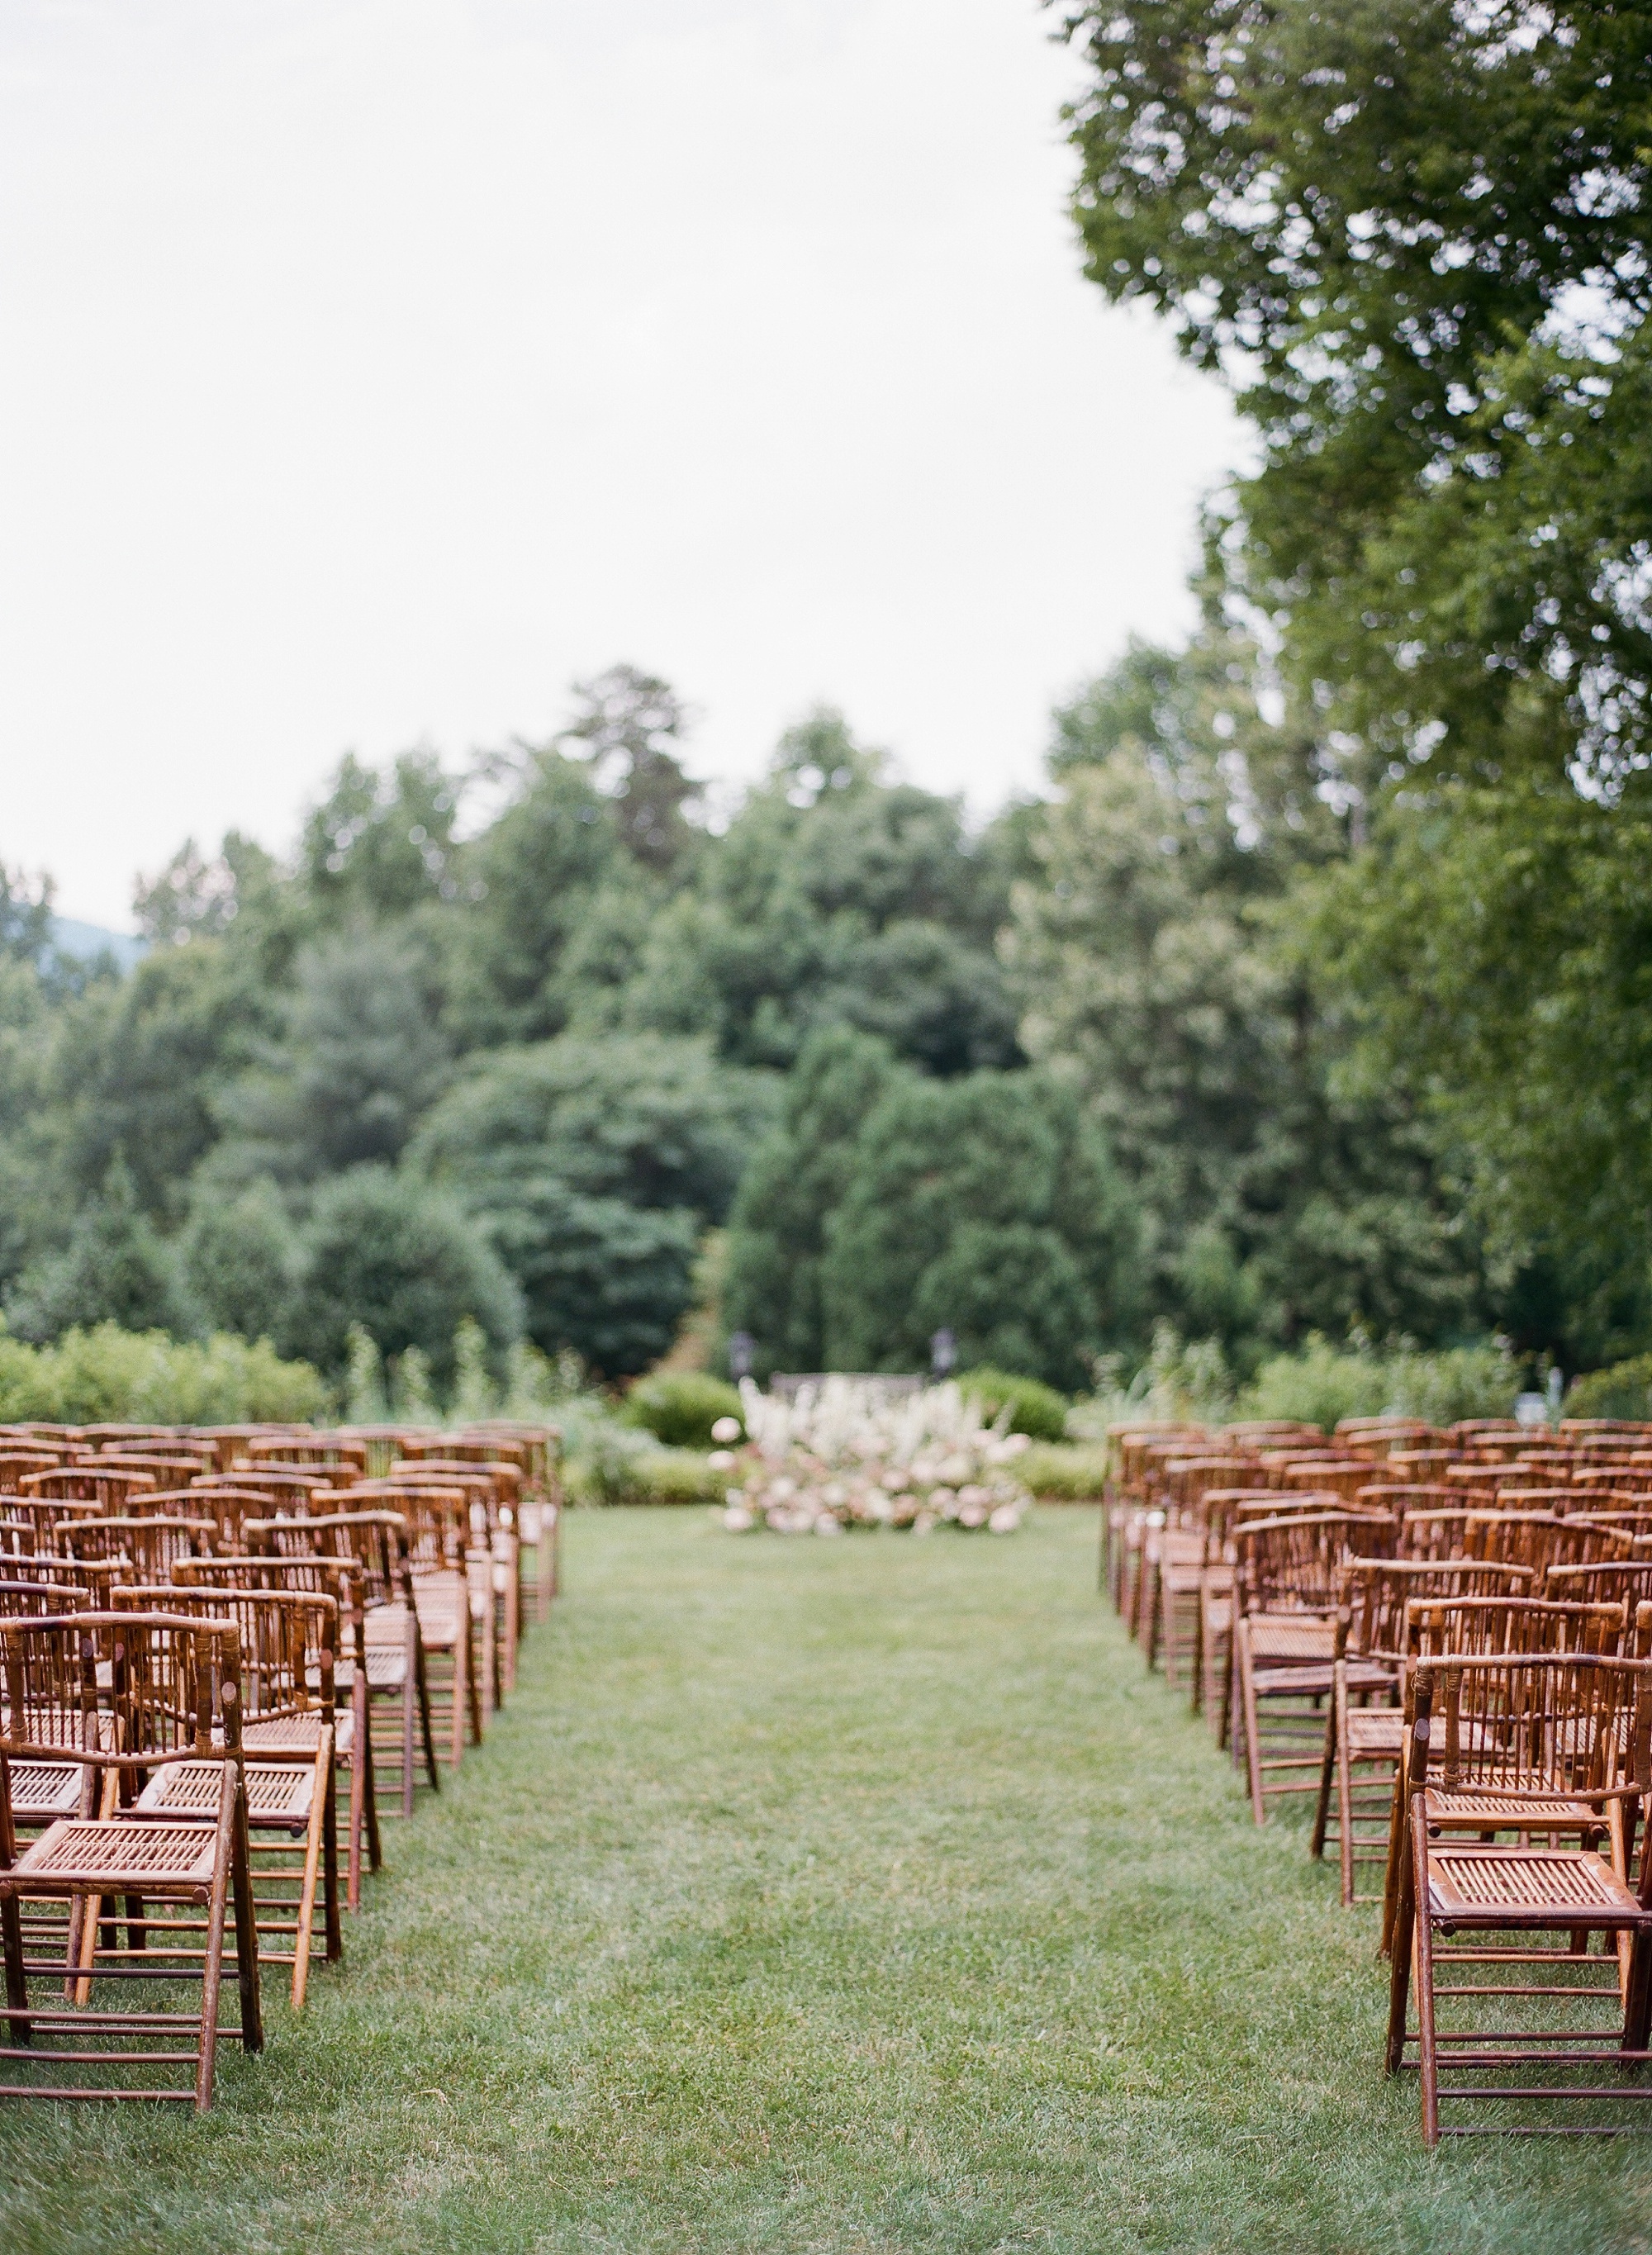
{"x":370,"y":368}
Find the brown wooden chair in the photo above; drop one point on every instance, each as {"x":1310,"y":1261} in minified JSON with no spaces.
{"x":149,"y":1547}
{"x":288,"y":1643}
{"x":123,"y":1694}
{"x":103,"y":1482}
{"x":1365,"y":1727}
{"x":1286,"y":1592}
{"x":339,"y":1580}
{"x":1544,"y":1744}
{"x":398,"y":1691}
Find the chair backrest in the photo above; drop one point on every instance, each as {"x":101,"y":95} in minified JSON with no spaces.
{"x":1516,"y":1624}
{"x":17,"y":1464}
{"x":339,"y":1579}
{"x":44,"y":1600}
{"x":1628,"y":1579}
{"x":29,"y":1523}
{"x":1374,"y":1594}
{"x":288,"y":1641}
{"x":150,"y":1545}
{"x":375,"y":1540}
{"x":98,"y":1481}
{"x":109,"y":1686}
{"x":1290,"y":1563}
{"x":1572,"y":1724}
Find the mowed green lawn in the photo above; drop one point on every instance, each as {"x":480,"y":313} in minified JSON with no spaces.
{"x":834,"y":1896}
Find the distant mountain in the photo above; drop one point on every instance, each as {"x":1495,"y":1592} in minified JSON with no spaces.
{"x":87,"y":940}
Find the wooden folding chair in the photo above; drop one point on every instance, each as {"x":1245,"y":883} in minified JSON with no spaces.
{"x":149,"y":1547}
{"x":339,"y":1580}
{"x":1285,"y":1596}
{"x":288,"y":1640}
{"x":122,"y":1693}
{"x":397,"y":1688}
{"x":1365,"y":1729}
{"x":1542,"y":1744}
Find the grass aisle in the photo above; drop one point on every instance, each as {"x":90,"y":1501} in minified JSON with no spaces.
{"x":825,"y":1896}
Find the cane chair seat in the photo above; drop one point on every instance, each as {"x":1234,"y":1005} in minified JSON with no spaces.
{"x":301,"y":1734}
{"x":277,"y":1793}
{"x":119,"y":1856}
{"x":41,"y":1792}
{"x":1484,"y":1812}
{"x":1376,"y":1732}
{"x":1540,"y":1887}
{"x":1287,"y":1637}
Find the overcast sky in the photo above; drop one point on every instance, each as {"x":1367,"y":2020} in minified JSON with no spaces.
{"x":372,"y":368}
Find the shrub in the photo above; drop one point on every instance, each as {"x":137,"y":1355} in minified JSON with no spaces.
{"x":680,"y":1406}
{"x":1064,"y":1475}
{"x":1322,"y":1383}
{"x":1034,"y":1409}
{"x":401,"y":1261}
{"x":106,"y":1373}
{"x":1623,"y":1390}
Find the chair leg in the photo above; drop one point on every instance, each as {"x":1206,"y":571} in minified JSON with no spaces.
{"x":212,"y":1972}
{"x":1253,"y":1740}
{"x":246,"y":1925}
{"x":431,"y":1770}
{"x":1328,"y":1773}
{"x":1400,"y":1960}
{"x":318,"y":1803}
{"x":1423,"y":1934}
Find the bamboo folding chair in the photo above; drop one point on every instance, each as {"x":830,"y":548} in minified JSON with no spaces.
{"x":121,"y":1695}
{"x":538,"y":1503}
{"x":494,"y":1488}
{"x":288,"y":1641}
{"x":100,"y":1481}
{"x":1365,"y":1725}
{"x":1542,"y":1744}
{"x":1193,"y":1575}
{"x":338,"y":1579}
{"x":374,"y":1544}
{"x":452,"y":1592}
{"x":149,"y":1547}
{"x":1285,"y":1600}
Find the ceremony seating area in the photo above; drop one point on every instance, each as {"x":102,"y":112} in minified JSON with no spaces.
{"x":1440,"y":1642}
{"x":227,"y":1656}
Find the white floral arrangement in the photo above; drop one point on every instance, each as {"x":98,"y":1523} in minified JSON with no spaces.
{"x":843,"y":1455}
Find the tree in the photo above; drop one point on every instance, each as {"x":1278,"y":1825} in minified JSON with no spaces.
{"x":382,"y":842}
{"x":1163,"y":966}
{"x":360,"y":1058}
{"x":401,"y":1260}
{"x":1498,"y":943}
{"x":798,"y":1177}
{"x":1417,"y":235}
{"x":25,"y":915}
{"x":597,"y":1167}
{"x":629,"y":729}
{"x":987,"y":1204}
{"x":837,"y":896}
{"x":240,"y":1257}
{"x":532,"y":878}
{"x":138,"y":1063}
{"x":114,"y":1268}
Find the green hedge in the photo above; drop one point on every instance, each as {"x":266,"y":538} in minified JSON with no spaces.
{"x":1322,"y":1383}
{"x":1063,"y":1475}
{"x":107,"y":1375}
{"x":680,"y":1406}
{"x":1625,"y":1390}
{"x":1035,"y":1410}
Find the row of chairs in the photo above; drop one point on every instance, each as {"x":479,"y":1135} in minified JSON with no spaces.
{"x":1443,"y":1640}
{"x":279,"y":1635}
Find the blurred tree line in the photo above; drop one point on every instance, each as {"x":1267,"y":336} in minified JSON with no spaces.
{"x":1312,"y":998}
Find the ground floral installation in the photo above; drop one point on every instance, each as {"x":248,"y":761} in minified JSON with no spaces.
{"x":842,"y":1455}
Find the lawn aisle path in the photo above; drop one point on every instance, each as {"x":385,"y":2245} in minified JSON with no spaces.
{"x":839,"y":1896}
